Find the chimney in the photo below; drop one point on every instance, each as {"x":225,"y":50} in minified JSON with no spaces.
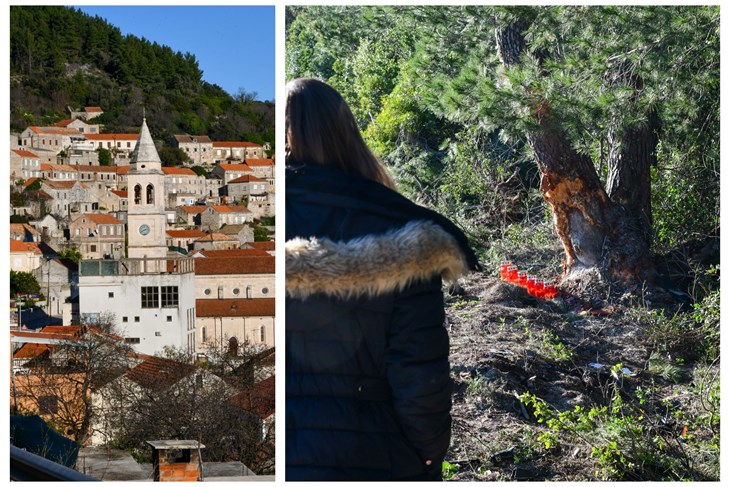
{"x":176,"y":460}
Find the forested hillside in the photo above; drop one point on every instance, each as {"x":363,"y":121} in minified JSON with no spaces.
{"x":583,"y":145}
{"x":62,"y":57}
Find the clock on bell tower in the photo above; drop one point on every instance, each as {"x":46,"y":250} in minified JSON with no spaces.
{"x":146,"y":221}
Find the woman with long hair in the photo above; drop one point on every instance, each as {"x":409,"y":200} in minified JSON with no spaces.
{"x":368,"y":390}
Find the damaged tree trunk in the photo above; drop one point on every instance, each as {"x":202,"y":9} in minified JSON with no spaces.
{"x":596,"y":229}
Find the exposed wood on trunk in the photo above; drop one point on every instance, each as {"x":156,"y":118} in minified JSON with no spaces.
{"x":594,"y":230}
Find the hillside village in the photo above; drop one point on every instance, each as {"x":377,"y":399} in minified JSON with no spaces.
{"x":171,"y":264}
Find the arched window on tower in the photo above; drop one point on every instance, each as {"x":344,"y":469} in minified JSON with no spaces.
{"x":137,"y":194}
{"x":150,"y":194}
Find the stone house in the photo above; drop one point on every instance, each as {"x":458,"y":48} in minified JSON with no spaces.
{"x":215,"y":216}
{"x":242,"y":232}
{"x":234,"y":276}
{"x":69,"y":197}
{"x":183,"y":186}
{"x":80,"y":125}
{"x":199,"y":148}
{"x":88,"y":113}
{"x":227,"y":172}
{"x":242,"y":188}
{"x":189,"y":215}
{"x":183,"y":238}
{"x":24,"y":164}
{"x":216,"y":241}
{"x":120,"y":145}
{"x":223,"y":151}
{"x":113,"y":201}
{"x":98,"y":236}
{"x":98,"y":176}
{"x":54,"y":139}
{"x":59,"y":172}
{"x":231,"y":323}
{"x":262,"y":168}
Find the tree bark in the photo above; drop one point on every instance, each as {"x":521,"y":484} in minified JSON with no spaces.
{"x":596,"y":231}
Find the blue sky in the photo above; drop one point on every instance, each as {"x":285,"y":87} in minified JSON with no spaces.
{"x":234,"y":45}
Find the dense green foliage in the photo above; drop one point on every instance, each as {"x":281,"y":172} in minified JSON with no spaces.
{"x":62,"y":57}
{"x":23,"y":283}
{"x":434,"y":101}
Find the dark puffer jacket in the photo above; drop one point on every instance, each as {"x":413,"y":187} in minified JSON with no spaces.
{"x":368,"y":391}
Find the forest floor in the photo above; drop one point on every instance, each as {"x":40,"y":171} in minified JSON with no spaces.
{"x":573,"y":389}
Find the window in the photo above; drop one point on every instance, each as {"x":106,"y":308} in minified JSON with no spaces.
{"x":265,"y":290}
{"x":150,"y":297}
{"x":233,"y":346}
{"x":111,"y":295}
{"x":136,"y":319}
{"x":249,"y":292}
{"x":262,"y":334}
{"x":169,"y":297}
{"x":169,"y":318}
{"x":137,"y":194}
{"x":236,"y":291}
{"x":205,"y":335}
{"x":131,"y":340}
{"x":150,"y":195}
{"x":158,"y":334}
{"x":125,"y":319}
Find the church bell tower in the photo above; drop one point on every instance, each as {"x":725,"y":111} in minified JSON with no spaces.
{"x":146,"y":220}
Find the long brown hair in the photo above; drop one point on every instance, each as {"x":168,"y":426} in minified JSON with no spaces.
{"x":320,"y":129}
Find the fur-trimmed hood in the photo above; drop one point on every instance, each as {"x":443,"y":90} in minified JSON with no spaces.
{"x":373,"y":265}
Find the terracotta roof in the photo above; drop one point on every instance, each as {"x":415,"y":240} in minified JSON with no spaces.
{"x":55,"y":130}
{"x":64,"y":123}
{"x":123,"y":170}
{"x":265,"y":245}
{"x":193,"y":209}
{"x":234,"y":307}
{"x":120,"y":193}
{"x":112,"y":136}
{"x":179,"y":170}
{"x":217,"y":237}
{"x":22,"y":228}
{"x":58,"y":167}
{"x":185,"y":233}
{"x":156,"y":371}
{"x":246,"y":179}
{"x":235,"y":253}
{"x":31,"y":181}
{"x":24,"y":153}
{"x":32,"y":350}
{"x":235,"y":167}
{"x":260,"y":162}
{"x":189,"y":138}
{"x":62,"y":184}
{"x":259,"y":400}
{"x":235,"y":265}
{"x":230,"y":209}
{"x":233,"y":229}
{"x":100,"y":218}
{"x":234,"y":144}
{"x":93,"y":109}
{"x":18,"y":246}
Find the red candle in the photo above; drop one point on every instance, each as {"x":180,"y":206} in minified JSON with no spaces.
{"x":503,"y":269}
{"x":512,"y":273}
{"x":550,"y":290}
{"x":522,"y":278}
{"x":539,"y":288}
{"x":531,"y":285}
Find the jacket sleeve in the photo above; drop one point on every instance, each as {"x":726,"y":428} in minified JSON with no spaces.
{"x":418,"y":370}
